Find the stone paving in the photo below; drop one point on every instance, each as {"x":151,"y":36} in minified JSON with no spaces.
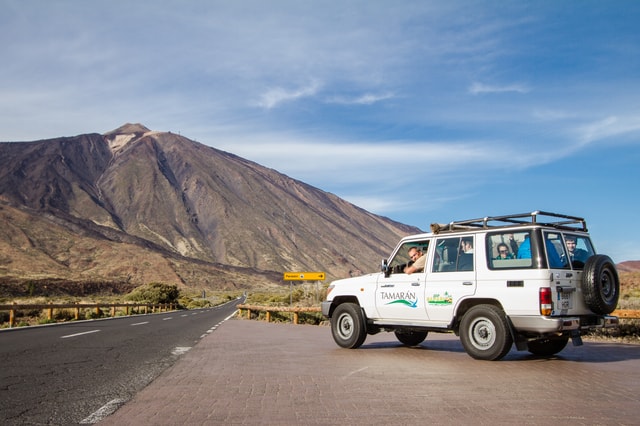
{"x":258,"y":373}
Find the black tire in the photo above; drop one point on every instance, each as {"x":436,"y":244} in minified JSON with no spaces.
{"x":410,"y":338}
{"x":600,"y":284}
{"x":547,"y":347}
{"x":347,"y":326}
{"x":485,"y":334}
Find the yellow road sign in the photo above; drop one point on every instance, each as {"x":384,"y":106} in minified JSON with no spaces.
{"x":304,"y":276}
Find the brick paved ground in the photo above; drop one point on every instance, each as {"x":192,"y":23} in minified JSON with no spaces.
{"x":249,"y":372}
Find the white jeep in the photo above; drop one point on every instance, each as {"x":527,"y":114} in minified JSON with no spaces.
{"x":531,"y":279}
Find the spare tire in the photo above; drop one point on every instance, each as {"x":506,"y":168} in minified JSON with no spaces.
{"x":600,"y":284}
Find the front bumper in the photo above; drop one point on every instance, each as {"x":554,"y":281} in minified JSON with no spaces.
{"x":326,"y":308}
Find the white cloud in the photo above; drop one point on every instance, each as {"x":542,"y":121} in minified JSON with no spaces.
{"x":608,"y":127}
{"x":366,"y":99}
{"x":481,"y":88}
{"x":274,"y":97}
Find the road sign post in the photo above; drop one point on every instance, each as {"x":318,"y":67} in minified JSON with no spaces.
{"x":301,"y":276}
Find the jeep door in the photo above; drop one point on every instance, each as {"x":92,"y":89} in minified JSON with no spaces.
{"x":451,"y":277}
{"x":400,"y":296}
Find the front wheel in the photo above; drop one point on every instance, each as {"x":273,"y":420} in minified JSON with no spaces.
{"x":347,"y":326}
{"x":410,"y":338}
{"x":484,"y":333}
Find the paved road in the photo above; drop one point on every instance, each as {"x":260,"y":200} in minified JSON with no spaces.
{"x":62,"y":374}
{"x":250,"y":372}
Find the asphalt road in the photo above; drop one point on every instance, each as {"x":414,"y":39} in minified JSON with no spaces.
{"x":63,"y":374}
{"x":258,"y":373}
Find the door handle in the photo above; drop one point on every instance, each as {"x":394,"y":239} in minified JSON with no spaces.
{"x":387,"y":285}
{"x":415,"y":284}
{"x":467,"y":283}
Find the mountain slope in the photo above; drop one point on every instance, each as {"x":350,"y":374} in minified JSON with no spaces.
{"x":181,"y":200}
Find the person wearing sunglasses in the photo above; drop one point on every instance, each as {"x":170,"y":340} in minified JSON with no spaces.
{"x":503,"y":252}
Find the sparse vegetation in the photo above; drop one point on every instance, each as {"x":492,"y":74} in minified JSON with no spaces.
{"x":155,"y":293}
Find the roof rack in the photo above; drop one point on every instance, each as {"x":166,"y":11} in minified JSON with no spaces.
{"x":554,"y":220}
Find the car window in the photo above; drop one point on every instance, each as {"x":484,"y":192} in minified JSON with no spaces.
{"x":578,"y":250}
{"x":401,"y":259}
{"x":453,"y":254}
{"x":509,"y":250}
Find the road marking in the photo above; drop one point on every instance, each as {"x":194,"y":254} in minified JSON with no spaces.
{"x":104,"y":411}
{"x":183,"y":315}
{"x":165,"y":319}
{"x":354,"y":372}
{"x":140,"y":323}
{"x":180,"y":350}
{"x":79,"y":334}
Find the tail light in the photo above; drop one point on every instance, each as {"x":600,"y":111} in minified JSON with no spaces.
{"x":546,"y":302}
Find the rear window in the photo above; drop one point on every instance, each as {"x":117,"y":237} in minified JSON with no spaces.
{"x":509,"y":250}
{"x":566,"y":251}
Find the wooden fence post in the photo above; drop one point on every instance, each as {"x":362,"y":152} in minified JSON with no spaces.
{"x":12,"y":316}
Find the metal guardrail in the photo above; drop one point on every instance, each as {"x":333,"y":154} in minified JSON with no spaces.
{"x":627,"y":313}
{"x":296,"y":310}
{"x":51,"y":307}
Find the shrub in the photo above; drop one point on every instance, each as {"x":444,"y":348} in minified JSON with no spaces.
{"x":155,"y":293}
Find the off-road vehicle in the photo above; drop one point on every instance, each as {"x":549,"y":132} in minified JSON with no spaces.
{"x":532,"y":279}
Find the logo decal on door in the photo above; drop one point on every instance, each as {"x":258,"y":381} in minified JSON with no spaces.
{"x":400,"y":298}
{"x":438,"y":299}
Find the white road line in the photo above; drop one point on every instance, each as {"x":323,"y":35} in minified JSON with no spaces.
{"x":165,"y":319}
{"x":79,"y":334}
{"x":140,"y":323}
{"x":104,"y":411}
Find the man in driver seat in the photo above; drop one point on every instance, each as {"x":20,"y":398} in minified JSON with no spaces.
{"x":418,"y":259}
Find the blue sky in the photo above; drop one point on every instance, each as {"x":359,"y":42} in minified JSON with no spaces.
{"x":421,"y":111}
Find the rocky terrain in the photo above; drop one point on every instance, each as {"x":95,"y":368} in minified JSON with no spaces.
{"x":134,"y":206}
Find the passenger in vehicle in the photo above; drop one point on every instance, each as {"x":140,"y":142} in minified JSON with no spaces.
{"x":513,"y":245}
{"x":503,"y":252}
{"x":575,"y":254}
{"x":524,"y":251}
{"x":465,"y":260}
{"x":552,"y":254}
{"x":418,"y":259}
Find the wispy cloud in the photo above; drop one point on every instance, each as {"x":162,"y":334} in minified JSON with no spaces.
{"x":608,"y":127}
{"x":276,"y":96}
{"x":481,"y":88}
{"x":366,"y":99}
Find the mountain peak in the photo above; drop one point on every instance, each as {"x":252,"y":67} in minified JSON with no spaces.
{"x":124,"y":134}
{"x":127,"y":129}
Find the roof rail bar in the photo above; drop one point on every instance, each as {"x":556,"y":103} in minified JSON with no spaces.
{"x":537,"y":217}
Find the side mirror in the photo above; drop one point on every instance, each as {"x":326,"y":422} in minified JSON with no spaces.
{"x":385,"y":268}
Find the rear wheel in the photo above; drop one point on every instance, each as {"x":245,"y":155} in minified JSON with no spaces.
{"x":347,"y":326}
{"x":547,"y":347}
{"x":600,"y":284}
{"x":410,"y":338}
{"x":484,"y":333}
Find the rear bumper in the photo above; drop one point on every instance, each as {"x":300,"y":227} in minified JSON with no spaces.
{"x":542,"y":325}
